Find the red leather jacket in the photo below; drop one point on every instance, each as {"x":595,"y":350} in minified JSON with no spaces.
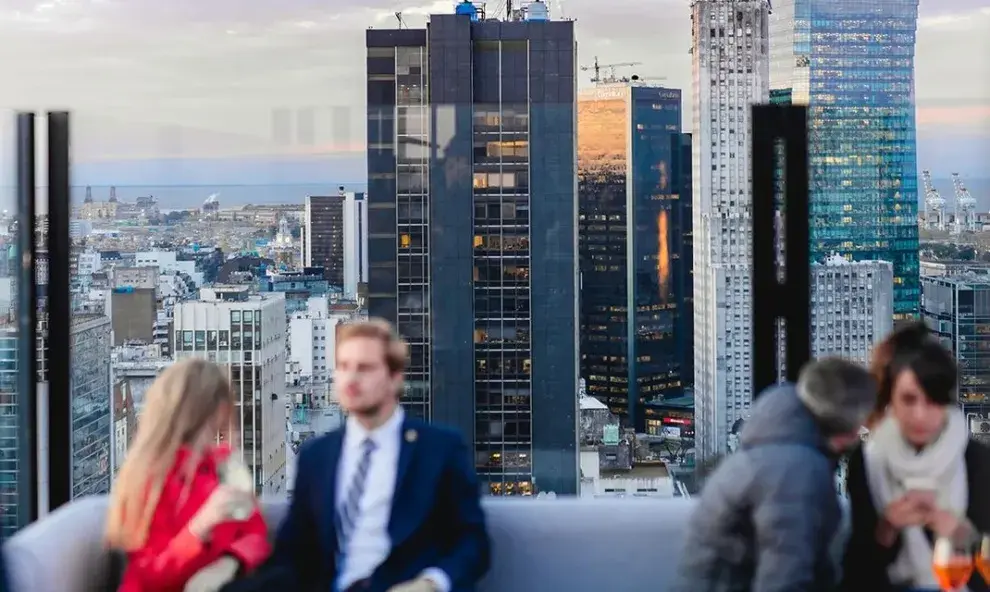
{"x":172,"y":554}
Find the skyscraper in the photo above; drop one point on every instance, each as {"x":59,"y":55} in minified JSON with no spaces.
{"x":92,"y":455}
{"x":730,"y":61}
{"x":629,"y":236}
{"x":323,"y":236}
{"x":472,"y":233}
{"x":957,"y":308}
{"x":852,"y":63}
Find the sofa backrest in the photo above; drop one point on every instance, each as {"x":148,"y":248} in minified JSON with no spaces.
{"x":566,"y":544}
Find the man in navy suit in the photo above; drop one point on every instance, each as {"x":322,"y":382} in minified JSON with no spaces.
{"x":388,"y":503}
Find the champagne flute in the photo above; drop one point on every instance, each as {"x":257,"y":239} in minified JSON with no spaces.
{"x":952,"y":560}
{"x":983,"y":558}
{"x":234,"y":473}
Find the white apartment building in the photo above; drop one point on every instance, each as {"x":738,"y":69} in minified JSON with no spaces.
{"x":168,"y":263}
{"x":308,"y":341}
{"x":852,"y":307}
{"x":89,"y":262}
{"x":355,"y":243}
{"x":312,"y":337}
{"x":731,"y":70}
{"x":246,"y":333}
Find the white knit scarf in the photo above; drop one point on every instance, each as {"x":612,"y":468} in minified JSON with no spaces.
{"x":890,"y":460}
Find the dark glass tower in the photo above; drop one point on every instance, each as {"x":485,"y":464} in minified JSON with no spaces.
{"x":325,"y":236}
{"x":684,"y":253}
{"x":852,"y":63}
{"x":472,"y":235}
{"x":632,"y":227}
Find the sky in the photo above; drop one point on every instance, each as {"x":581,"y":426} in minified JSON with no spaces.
{"x":157,"y":88}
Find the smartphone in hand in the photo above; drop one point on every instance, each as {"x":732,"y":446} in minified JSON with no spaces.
{"x":922,"y":490}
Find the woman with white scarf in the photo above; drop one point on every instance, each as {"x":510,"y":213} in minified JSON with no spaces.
{"x":919,"y":476}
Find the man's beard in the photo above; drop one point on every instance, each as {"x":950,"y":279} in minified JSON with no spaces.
{"x":371,"y":409}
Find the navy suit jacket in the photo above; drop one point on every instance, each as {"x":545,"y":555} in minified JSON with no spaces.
{"x":436,"y":518}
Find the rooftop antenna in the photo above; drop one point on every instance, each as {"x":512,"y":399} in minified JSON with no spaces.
{"x":398,"y":17}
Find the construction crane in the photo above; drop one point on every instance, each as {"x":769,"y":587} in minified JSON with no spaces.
{"x":934,"y":204}
{"x":610,"y":77}
{"x":965,"y":206}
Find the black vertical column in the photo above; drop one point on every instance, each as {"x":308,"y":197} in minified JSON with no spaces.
{"x":773,"y":299}
{"x":27,"y":326}
{"x":58,"y":347}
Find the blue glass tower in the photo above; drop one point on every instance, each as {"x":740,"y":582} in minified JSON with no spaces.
{"x":852,"y":63}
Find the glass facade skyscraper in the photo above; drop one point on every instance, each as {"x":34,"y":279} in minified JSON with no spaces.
{"x":631,"y":231}
{"x":472,"y":235}
{"x":852,"y":63}
{"x":90,"y":419}
{"x":91,"y":408}
{"x":957,"y":310}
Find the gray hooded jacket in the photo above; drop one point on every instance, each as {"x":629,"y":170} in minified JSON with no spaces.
{"x":768,"y":515}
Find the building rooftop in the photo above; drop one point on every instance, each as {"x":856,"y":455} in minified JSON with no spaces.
{"x":654,"y":470}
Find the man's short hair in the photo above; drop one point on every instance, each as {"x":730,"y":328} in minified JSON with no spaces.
{"x":396,"y":349}
{"x":839,"y":393}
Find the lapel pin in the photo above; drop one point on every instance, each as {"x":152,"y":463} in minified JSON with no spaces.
{"x":411,"y":436}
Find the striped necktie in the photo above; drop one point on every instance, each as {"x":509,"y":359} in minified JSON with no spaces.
{"x":351,"y":508}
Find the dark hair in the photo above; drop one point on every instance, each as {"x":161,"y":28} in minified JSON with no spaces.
{"x":912,"y":347}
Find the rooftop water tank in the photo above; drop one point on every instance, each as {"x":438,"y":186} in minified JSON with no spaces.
{"x":468,"y":8}
{"x":537,"y":11}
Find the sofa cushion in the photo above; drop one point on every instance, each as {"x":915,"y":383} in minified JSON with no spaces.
{"x":572,"y":544}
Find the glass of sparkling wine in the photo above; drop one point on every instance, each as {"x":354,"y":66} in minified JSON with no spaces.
{"x":234,"y":473}
{"x":983,"y":558}
{"x":953,"y":561}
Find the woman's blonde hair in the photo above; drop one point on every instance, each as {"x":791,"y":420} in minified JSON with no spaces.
{"x":178,"y":406}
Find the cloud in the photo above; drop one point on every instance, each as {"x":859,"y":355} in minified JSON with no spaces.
{"x":953,"y":71}
{"x":248,"y":76}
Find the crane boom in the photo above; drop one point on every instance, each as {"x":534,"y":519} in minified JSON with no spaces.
{"x":610,"y":77}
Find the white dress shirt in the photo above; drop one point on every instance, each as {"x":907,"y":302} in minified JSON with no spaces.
{"x":369,"y":544}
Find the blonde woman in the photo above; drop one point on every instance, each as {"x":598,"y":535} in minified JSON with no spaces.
{"x":169,"y":511}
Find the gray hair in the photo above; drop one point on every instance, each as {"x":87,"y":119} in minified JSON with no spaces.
{"x":839,"y":393}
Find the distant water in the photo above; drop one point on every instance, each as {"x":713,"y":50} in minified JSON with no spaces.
{"x":173,"y":197}
{"x":192,"y":196}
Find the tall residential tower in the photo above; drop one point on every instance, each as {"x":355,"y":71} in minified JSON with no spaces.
{"x":730,"y":60}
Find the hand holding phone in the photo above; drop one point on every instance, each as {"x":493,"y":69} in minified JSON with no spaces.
{"x":921,"y":491}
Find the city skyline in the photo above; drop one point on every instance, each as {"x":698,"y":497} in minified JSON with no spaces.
{"x":162,"y":95}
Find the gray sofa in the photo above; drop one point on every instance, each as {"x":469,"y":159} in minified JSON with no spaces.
{"x":556,"y":544}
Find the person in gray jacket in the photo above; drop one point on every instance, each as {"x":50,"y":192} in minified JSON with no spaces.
{"x":767,"y":517}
